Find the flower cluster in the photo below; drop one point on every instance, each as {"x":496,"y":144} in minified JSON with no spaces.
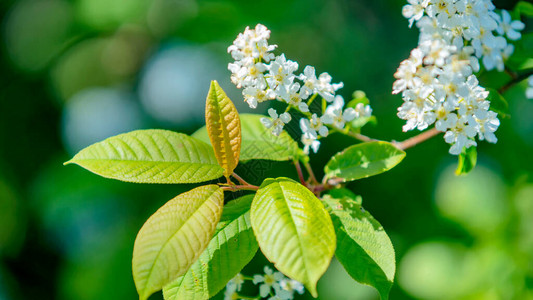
{"x":272,"y":284}
{"x":264,"y":76}
{"x":437,"y":81}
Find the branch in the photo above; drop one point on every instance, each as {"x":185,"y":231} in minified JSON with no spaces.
{"x":361,"y":137}
{"x":417,"y":139}
{"x":234,"y":188}
{"x":515,"y":79}
{"x":239,"y":179}
{"x":300,"y":173}
{"x":312,"y":176}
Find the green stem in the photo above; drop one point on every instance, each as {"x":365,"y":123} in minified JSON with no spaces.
{"x":311,"y":99}
{"x":247,"y":277}
{"x":247,"y":297}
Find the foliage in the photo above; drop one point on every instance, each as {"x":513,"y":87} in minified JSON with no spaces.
{"x":183,"y":251}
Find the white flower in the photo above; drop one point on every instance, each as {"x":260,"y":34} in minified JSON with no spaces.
{"x":321,"y":85}
{"x":292,"y":96}
{"x":231,"y":292}
{"x":236,"y":281}
{"x":277,"y":122}
{"x":292,"y":286}
{"x":362,"y":110}
{"x":487,"y":127}
{"x":529,"y":90}
{"x":314,"y":125}
{"x":252,"y":45}
{"x":310,"y":143}
{"x":446,"y":118}
{"x":281,"y":73}
{"x":269,"y":280}
{"x":406,"y":74}
{"x":335,"y":115}
{"x":460,"y":135}
{"x":254,"y":95}
{"x":509,"y":27}
{"x":414,"y":10}
{"x":249,"y":75}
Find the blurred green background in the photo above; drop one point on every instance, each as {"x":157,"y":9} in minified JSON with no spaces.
{"x":73,"y":72}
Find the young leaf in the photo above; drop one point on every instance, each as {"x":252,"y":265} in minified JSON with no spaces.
{"x":363,"y":160}
{"x":151,"y":156}
{"x":173,"y":238}
{"x":258,"y":142}
{"x":363,"y":247}
{"x":224,"y":128}
{"x":293,"y":230}
{"x":498,"y":103}
{"x":467,"y":161}
{"x":524,"y":8}
{"x":231,"y":249}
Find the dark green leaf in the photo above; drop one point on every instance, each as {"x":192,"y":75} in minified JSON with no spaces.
{"x":363,"y":247}
{"x":498,"y":103}
{"x":363,"y":160}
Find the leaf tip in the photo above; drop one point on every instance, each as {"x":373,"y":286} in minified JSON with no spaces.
{"x":69,"y":162}
{"x":311,"y":287}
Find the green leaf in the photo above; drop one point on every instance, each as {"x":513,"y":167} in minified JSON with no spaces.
{"x":524,"y":8}
{"x":363,"y":160}
{"x":258,"y":142}
{"x":467,"y":161}
{"x":224,"y":128}
{"x":151,"y":156}
{"x":293,"y":230}
{"x":522,"y":60}
{"x":173,"y":238}
{"x":497,"y":102}
{"x":363,"y":247}
{"x":232,"y":247}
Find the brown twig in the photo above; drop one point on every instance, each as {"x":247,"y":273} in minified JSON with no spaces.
{"x":417,"y":139}
{"x":239,"y":179}
{"x":312,"y":176}
{"x":516,"y":79}
{"x":299,"y":171}
{"x":234,"y":188}
{"x":358,"y":136}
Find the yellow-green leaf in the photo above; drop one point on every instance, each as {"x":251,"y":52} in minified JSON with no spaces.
{"x":173,"y":238}
{"x":151,"y":156}
{"x":231,"y":249}
{"x":258,"y":142}
{"x":224,"y":128}
{"x":466,"y":161}
{"x":294,"y":230}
